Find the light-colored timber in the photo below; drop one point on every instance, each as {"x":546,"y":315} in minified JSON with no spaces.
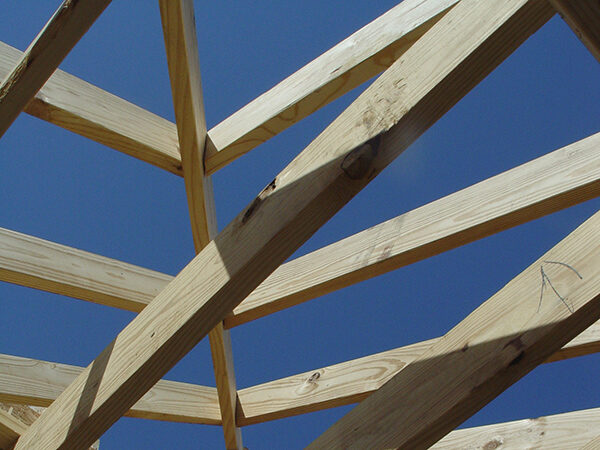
{"x":552,"y":182}
{"x":325,"y":176}
{"x":12,"y":425}
{"x":583,"y":16}
{"x":179,"y":30}
{"x":535,"y":314}
{"x":353,"y":61}
{"x":80,"y":107}
{"x":594,"y":444}
{"x":353,"y":381}
{"x":68,"y":24}
{"x":34,"y":382}
{"x":568,"y":431}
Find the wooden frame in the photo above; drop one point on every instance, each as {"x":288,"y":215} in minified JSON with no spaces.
{"x":238,"y":274}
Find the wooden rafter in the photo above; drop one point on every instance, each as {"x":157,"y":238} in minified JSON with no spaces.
{"x":68,"y":24}
{"x":179,"y":29}
{"x":387,"y":117}
{"x":11,"y":426}
{"x":583,"y":16}
{"x":540,"y":310}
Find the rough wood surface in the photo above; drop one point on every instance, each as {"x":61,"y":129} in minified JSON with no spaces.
{"x":353,"y":61}
{"x":583,"y":16}
{"x":535,"y":314}
{"x":68,"y":24}
{"x":398,"y":107}
{"x":552,"y":182}
{"x":89,"y":111}
{"x":568,"y":431}
{"x":11,"y":425}
{"x":34,"y":382}
{"x":353,"y":381}
{"x":179,"y":30}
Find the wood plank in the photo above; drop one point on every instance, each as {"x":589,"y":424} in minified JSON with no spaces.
{"x":64,"y":29}
{"x":568,"y":431}
{"x":594,"y":444}
{"x":179,"y":29}
{"x":34,"y":382}
{"x":353,"y":381}
{"x":397,"y":108}
{"x":11,"y":427}
{"x":37,"y":263}
{"x":552,"y":182}
{"x":80,"y":107}
{"x":350,"y":63}
{"x":583,"y":16}
{"x":535,"y":314}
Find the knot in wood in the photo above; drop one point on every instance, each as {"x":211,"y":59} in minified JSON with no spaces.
{"x":358,"y":162}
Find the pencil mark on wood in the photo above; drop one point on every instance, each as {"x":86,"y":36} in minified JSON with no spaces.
{"x":545,"y":279}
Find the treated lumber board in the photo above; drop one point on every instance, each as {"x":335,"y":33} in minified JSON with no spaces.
{"x":64,"y":29}
{"x":547,"y":184}
{"x":37,"y":263}
{"x":594,"y":444}
{"x":11,"y":427}
{"x":567,"y":431}
{"x":389,"y":115}
{"x":34,"y":382}
{"x":80,"y":107}
{"x":350,"y":63}
{"x":583,"y":16}
{"x":179,"y":30}
{"x":535,"y":314}
{"x":353,"y":381}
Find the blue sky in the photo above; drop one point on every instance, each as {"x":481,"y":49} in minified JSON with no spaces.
{"x":67,"y":189}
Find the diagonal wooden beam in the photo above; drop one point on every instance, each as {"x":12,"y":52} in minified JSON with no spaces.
{"x":89,"y":111}
{"x":397,"y":108}
{"x":68,"y":24}
{"x":12,"y":425}
{"x":353,"y":381}
{"x":540,"y":310}
{"x":179,"y":29}
{"x":547,"y":184}
{"x":34,"y":382}
{"x":568,"y":431}
{"x":583,"y":16}
{"x":353,"y":61}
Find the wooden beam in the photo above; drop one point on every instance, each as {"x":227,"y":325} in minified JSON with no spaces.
{"x":583,"y":16}
{"x":397,"y":108}
{"x":353,"y":381}
{"x":594,"y":444}
{"x":68,"y":24}
{"x":11,"y":426}
{"x":568,"y":431}
{"x":34,"y":382}
{"x":535,"y":314}
{"x":552,"y":182}
{"x":179,"y":29}
{"x":353,"y":61}
{"x":89,"y":111}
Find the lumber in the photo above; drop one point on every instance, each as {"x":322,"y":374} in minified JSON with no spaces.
{"x":64,"y":29}
{"x":11,"y":425}
{"x":353,"y":381}
{"x":583,"y":16}
{"x":593,"y":444}
{"x":398,"y":107}
{"x":353,"y":61}
{"x":179,"y":30}
{"x":85,"y":109}
{"x":35,"y":382}
{"x":547,"y":184}
{"x":535,"y":314}
{"x":567,"y":431}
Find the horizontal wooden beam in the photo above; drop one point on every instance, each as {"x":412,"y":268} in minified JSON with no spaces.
{"x":353,"y":381}
{"x":550,"y":183}
{"x":583,"y":16}
{"x":568,"y":431}
{"x":535,"y":314}
{"x":34,"y":382}
{"x":387,"y":117}
{"x":89,"y":111}
{"x":353,"y":61}
{"x":64,"y":29}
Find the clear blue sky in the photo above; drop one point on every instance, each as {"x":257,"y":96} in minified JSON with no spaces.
{"x":67,"y":189}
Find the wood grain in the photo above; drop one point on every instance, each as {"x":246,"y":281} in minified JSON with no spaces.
{"x":398,"y":107}
{"x":353,"y":61}
{"x":80,"y":107}
{"x":68,"y":24}
{"x":11,"y":426}
{"x":496,"y":345}
{"x":583,"y":16}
